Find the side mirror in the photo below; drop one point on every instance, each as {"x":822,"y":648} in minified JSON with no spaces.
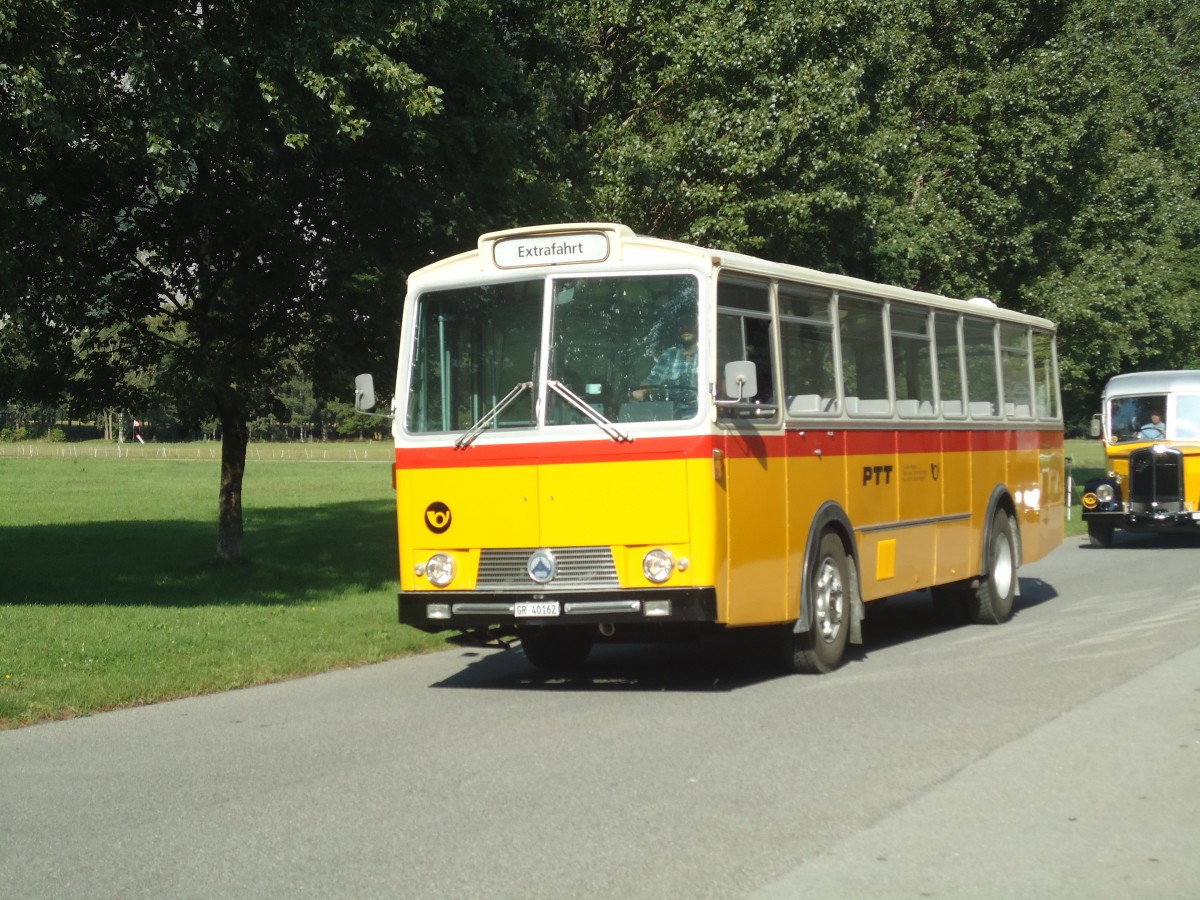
{"x":1095,"y":428}
{"x":741,"y":380}
{"x":364,"y":393}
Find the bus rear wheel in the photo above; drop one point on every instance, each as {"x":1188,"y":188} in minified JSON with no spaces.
{"x":992,"y":602}
{"x":821,"y":648}
{"x":557,"y":649}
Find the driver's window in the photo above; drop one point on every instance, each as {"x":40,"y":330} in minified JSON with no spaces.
{"x":1138,"y":418}
{"x":744,"y":333}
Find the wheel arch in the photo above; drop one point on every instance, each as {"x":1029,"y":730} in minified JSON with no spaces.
{"x":831,"y":517}
{"x":1000,"y":500}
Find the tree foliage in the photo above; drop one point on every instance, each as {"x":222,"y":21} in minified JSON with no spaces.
{"x":209,"y":195}
{"x":1041,"y":152}
{"x":207,"y":199}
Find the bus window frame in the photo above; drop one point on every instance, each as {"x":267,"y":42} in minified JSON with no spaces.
{"x":828,"y":406}
{"x":765,"y":412}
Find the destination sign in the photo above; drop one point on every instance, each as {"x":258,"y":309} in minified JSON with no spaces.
{"x":551,"y":250}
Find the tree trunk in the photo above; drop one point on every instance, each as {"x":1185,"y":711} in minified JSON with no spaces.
{"x":235,"y":437}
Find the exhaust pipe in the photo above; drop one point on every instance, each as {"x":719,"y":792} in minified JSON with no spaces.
{"x":608,"y":629}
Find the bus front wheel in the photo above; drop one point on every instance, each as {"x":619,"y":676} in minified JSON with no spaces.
{"x":992,"y":602}
{"x":820,"y":649}
{"x":558,"y":649}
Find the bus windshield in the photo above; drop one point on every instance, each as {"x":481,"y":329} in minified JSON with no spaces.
{"x":1141,"y":418}
{"x":625,"y":346}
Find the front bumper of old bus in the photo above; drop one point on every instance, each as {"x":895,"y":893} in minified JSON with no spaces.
{"x":501,"y":613}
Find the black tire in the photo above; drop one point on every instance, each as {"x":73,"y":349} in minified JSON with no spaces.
{"x":992,"y":602}
{"x":556,"y":649}
{"x":821,"y":648}
{"x":1100,"y":535}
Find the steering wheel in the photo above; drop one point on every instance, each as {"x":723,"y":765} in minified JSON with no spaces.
{"x":1154,"y":432}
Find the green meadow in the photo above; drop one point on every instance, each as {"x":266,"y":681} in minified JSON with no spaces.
{"x":109,"y":596}
{"x":108,"y":592}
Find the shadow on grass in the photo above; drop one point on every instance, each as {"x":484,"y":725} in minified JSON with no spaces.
{"x":291,"y":556}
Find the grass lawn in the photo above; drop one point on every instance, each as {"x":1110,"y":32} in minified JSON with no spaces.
{"x":1086,"y":461}
{"x":110,"y":597}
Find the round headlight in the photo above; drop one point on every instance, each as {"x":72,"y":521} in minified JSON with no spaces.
{"x":657,"y":565}
{"x":1104,"y":493}
{"x":440,"y":569}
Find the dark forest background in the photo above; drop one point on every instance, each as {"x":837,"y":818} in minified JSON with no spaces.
{"x":209,"y":208}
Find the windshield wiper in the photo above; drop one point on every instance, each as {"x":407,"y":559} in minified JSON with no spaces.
{"x":468,"y":436}
{"x":582,"y":406}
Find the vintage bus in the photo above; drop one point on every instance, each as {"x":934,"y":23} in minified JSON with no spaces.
{"x":1151,"y":429}
{"x":602,"y":436}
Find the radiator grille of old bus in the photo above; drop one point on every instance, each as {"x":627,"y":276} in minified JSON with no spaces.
{"x":1155,"y":477}
{"x":579,"y":568}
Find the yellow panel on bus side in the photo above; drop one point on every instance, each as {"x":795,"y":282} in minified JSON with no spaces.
{"x":1041,"y":499}
{"x":757,"y":517}
{"x":872,"y":499}
{"x":816,"y":475}
{"x":958,"y":538}
{"x":463,"y":508}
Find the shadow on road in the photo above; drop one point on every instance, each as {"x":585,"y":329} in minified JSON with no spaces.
{"x":1147,"y":540}
{"x":718,"y":663}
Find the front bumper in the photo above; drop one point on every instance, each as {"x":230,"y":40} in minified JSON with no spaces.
{"x":1172,"y":520}
{"x":437,"y":611}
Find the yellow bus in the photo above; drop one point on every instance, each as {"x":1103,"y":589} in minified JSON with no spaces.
{"x":602,"y":436}
{"x":1151,"y":429}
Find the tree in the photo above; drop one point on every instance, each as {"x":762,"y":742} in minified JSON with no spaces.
{"x":1040,"y":152}
{"x":209,"y":196}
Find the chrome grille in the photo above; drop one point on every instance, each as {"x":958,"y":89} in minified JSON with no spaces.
{"x":579,"y":568}
{"x":1155,"y":478}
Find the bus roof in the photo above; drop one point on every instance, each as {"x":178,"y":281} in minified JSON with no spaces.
{"x":1171,"y":381}
{"x":618,"y":247}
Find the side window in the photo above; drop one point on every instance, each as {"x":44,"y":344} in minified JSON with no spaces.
{"x":912,"y":361}
{"x":949,"y":365}
{"x":744,"y":333}
{"x":1045,"y":382}
{"x":806,"y":338}
{"x":864,"y":356}
{"x":1014,"y":364}
{"x":1187,"y":417}
{"x":983,"y":388}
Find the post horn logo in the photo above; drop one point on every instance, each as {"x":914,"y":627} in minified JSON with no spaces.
{"x":437,"y":517}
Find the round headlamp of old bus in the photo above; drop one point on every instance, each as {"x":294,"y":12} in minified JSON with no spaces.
{"x":657,"y":565}
{"x":440,"y":570}
{"x":1104,"y":493}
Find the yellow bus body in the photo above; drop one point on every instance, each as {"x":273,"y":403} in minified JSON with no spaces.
{"x":796,"y":510}
{"x":741,"y":513}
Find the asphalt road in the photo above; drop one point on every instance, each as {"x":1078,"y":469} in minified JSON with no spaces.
{"x":1056,"y":756}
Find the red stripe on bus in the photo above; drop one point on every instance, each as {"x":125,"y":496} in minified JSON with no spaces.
{"x":735,"y":445}
{"x":549,"y":453}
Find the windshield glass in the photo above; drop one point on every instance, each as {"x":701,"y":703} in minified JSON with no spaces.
{"x":1142,"y":418}
{"x":473,"y":346}
{"x":624,"y":346}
